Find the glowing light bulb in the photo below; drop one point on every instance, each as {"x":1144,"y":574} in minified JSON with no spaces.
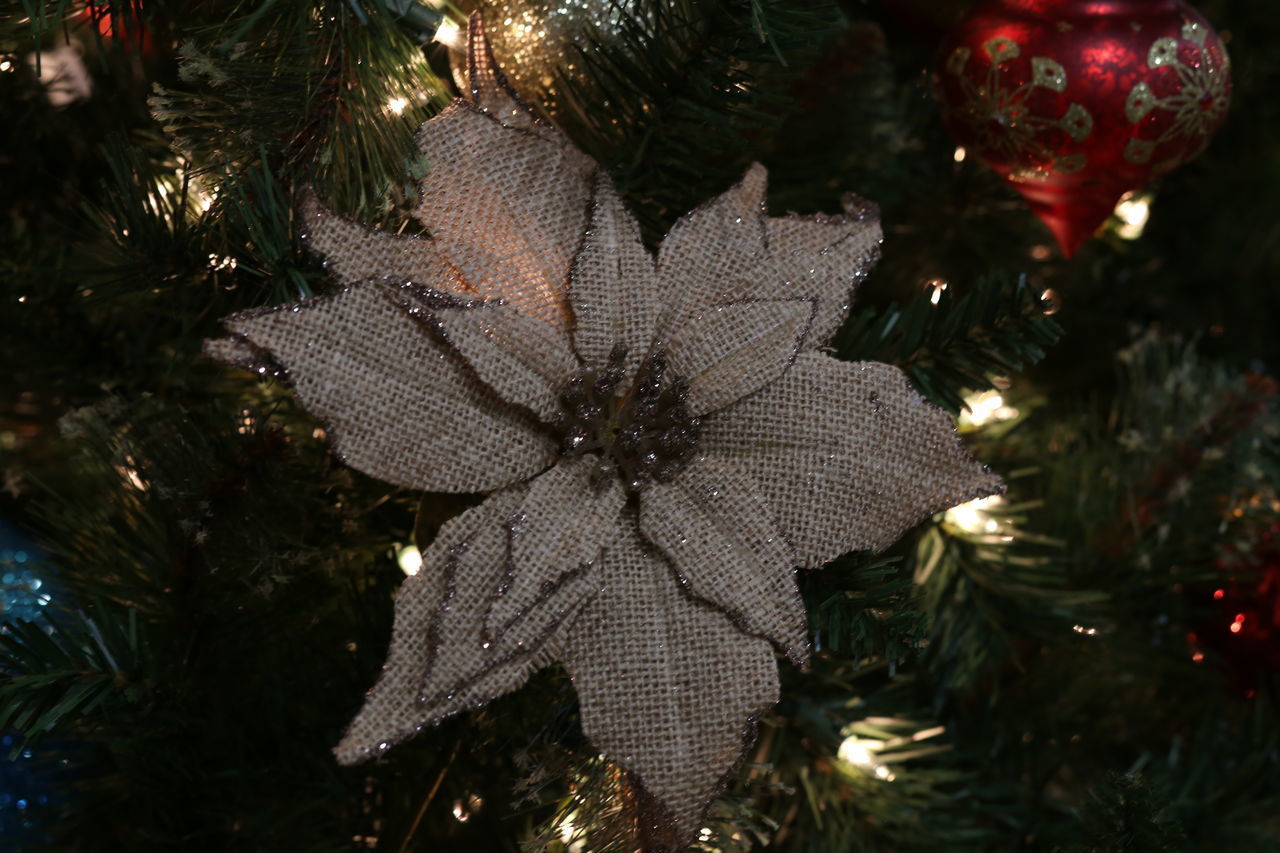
{"x":1133,"y":210}
{"x":984,"y":408}
{"x":855,"y":752}
{"x":397,"y":105}
{"x":449,"y":35}
{"x":974,"y":516}
{"x":410,"y":559}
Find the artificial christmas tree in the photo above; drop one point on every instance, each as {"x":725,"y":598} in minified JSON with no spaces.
{"x":215,"y":590}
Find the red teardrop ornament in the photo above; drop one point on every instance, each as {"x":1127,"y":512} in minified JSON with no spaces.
{"x":1076,"y":102}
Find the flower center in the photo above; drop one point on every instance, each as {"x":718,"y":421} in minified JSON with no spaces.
{"x":645,"y":433}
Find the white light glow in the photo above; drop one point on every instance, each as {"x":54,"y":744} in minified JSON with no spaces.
{"x":974,"y":516}
{"x":449,"y":35}
{"x":397,"y":105}
{"x":960,"y":153}
{"x":1133,"y":210}
{"x":985,"y":408}
{"x":938,"y":285}
{"x":855,"y":752}
{"x":410,"y":559}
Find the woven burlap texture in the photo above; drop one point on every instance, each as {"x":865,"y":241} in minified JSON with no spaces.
{"x":443,"y":364}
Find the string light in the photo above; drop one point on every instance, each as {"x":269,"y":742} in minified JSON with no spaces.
{"x":856,"y":752}
{"x":397,"y":105}
{"x":974,"y":517}
{"x":960,"y":154}
{"x":409,"y":559}
{"x":462,"y":811}
{"x":938,"y":285}
{"x":1133,"y":210}
{"x":1050,"y":301}
{"x":984,"y":408}
{"x":130,"y":475}
{"x":449,"y":35}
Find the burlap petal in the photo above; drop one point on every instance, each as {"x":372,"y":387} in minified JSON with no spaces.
{"x":397,"y":404}
{"x":441,"y":660}
{"x":670,"y":689}
{"x":525,"y":360}
{"x":506,"y":207}
{"x":729,"y":250}
{"x":848,"y":455}
{"x":353,"y":252}
{"x":613,"y":285}
{"x":727,"y":351}
{"x":721,"y":538}
{"x":569,"y":516}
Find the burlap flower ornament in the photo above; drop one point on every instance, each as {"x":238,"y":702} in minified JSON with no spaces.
{"x":661,"y":440}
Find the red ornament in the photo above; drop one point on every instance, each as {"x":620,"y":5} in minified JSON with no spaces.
{"x":1076,"y":102}
{"x":122,"y":21}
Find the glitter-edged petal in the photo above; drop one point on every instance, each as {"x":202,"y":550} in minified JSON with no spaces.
{"x":825,"y":257}
{"x":441,"y":660}
{"x":849,"y":456}
{"x":669,"y":688}
{"x":556,"y":536}
{"x":729,"y":250}
{"x":398,"y":405}
{"x":526,"y":361}
{"x":726,"y":352}
{"x":353,"y":251}
{"x":506,"y":207}
{"x":721,"y":538}
{"x":613,"y":289}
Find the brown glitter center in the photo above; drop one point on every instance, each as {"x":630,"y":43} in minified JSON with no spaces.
{"x":644,"y":433}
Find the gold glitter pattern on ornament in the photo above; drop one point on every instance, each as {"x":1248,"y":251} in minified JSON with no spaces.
{"x":537,"y":39}
{"x":1198,"y":105}
{"x":1049,"y":73}
{"x":998,"y":113}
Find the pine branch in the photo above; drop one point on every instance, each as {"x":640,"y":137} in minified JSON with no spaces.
{"x":258,"y":217}
{"x":331,"y":97}
{"x":958,"y":343}
{"x":693,"y":88}
{"x":66,"y":666}
{"x":858,"y":608}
